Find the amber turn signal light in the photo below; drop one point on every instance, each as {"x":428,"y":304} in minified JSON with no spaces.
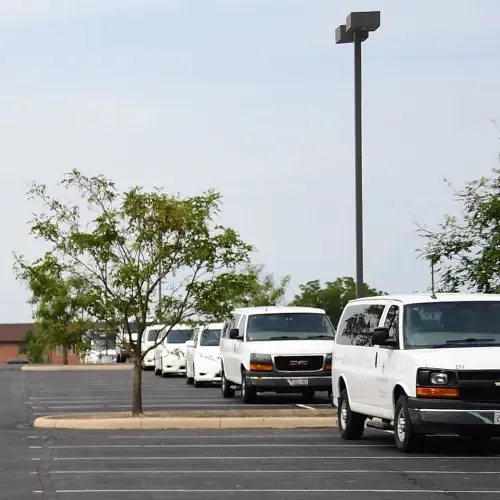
{"x":257,"y":367}
{"x":444,"y":392}
{"x":328,"y":368}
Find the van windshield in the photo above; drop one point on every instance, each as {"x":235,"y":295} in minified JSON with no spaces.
{"x":289,"y":326}
{"x":179,"y":336}
{"x":153,"y":334}
{"x":210,"y":338}
{"x":452,"y":324}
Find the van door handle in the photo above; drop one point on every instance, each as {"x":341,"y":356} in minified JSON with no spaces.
{"x":376,"y":359}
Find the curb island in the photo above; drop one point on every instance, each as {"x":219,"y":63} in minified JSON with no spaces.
{"x":230,"y":419}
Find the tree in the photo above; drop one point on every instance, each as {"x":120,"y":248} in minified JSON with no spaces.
{"x":332,"y":297}
{"x":263,"y":290}
{"x":59,"y":300}
{"x":466,"y":249}
{"x":144,"y":257}
{"x":34,"y":347}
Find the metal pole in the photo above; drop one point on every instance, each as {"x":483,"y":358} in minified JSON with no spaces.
{"x":358,"y":165}
{"x":159,"y":288}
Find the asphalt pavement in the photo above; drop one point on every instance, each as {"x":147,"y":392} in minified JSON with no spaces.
{"x":269,"y":464}
{"x":53,"y":393}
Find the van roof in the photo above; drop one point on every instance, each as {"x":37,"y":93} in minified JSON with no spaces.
{"x":278,"y":310}
{"x":418,"y":298}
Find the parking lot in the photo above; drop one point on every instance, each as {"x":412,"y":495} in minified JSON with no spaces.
{"x":54,"y":393}
{"x":208,"y":465}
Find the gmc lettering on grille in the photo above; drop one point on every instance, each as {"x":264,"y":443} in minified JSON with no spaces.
{"x":301,"y":362}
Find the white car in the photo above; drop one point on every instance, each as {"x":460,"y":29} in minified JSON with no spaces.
{"x":419,"y":364}
{"x":277,"y":349}
{"x":148,"y":340}
{"x":170,"y":355}
{"x":203,"y":355}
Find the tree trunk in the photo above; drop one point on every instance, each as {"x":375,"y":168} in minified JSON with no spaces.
{"x":137,"y":389}
{"x":65,"y":354}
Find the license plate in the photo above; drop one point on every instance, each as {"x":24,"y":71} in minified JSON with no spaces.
{"x":496,"y":418}
{"x":298,"y":382}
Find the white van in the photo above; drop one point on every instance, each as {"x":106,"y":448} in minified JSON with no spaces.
{"x":148,"y":340}
{"x":203,"y":355}
{"x":277,"y":349}
{"x":422,"y":364}
{"x":170,"y":356}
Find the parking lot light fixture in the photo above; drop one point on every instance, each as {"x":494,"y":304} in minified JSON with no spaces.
{"x":356,"y":30}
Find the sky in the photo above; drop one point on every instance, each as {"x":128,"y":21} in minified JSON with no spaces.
{"x":254,"y":99}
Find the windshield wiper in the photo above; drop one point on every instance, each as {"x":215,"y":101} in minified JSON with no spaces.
{"x":470,"y":340}
{"x":283,"y":337}
{"x":320,"y":337}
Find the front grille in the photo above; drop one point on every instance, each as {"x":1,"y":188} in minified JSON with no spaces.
{"x":298,"y":363}
{"x":480,"y":394}
{"x":479,"y":375}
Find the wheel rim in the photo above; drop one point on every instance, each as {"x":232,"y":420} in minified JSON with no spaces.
{"x":223,"y":382}
{"x":401,"y":426}
{"x":343,"y":414}
{"x":243,"y":388}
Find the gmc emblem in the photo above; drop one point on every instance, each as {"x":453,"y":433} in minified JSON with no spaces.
{"x":300,"y":362}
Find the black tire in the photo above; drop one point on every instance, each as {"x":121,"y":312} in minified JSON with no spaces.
{"x":248,"y":393}
{"x":118,"y":359}
{"x":351,"y":424}
{"x":406,"y":439}
{"x":189,"y":380}
{"x":227,"y":390}
{"x":198,"y":384}
{"x":157,"y":372}
{"x":308,"y":395}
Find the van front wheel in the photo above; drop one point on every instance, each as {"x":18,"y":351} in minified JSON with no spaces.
{"x":351,"y":424}
{"x":405,"y":437}
{"x":227,"y":390}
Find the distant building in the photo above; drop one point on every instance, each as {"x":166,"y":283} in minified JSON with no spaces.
{"x":11,"y":340}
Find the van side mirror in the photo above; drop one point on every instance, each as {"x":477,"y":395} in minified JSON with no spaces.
{"x":234,"y":334}
{"x":380,"y":335}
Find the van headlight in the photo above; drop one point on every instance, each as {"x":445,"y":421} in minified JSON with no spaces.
{"x":438,"y":378}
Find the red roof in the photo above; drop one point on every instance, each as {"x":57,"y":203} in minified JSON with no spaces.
{"x":14,"y":332}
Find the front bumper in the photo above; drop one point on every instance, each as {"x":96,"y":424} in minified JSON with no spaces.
{"x":454,"y":417}
{"x":207,"y":370}
{"x":174,"y":365}
{"x":290,"y":382}
{"x":149,"y":362}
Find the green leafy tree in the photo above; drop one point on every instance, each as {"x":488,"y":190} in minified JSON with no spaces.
{"x":466,"y":248}
{"x":332,"y":296}
{"x":127,"y":246}
{"x":263,"y":289}
{"x":34,"y":347}
{"x":59,"y":300}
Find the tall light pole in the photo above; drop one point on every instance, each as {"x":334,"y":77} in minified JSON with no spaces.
{"x":356,"y":29}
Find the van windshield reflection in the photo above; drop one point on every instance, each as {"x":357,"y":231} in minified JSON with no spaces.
{"x":452,"y":324}
{"x":289,"y":326}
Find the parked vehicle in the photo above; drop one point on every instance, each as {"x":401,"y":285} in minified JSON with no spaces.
{"x":148,"y":340}
{"x":419,"y":364}
{"x":203,"y":355}
{"x":278,"y":349}
{"x":170,"y":355}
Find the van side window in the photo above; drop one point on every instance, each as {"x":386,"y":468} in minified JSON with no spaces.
{"x":392,"y":322}
{"x":357,"y":325}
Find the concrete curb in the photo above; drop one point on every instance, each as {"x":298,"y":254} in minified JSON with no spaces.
{"x":79,"y":367}
{"x":159,"y":423}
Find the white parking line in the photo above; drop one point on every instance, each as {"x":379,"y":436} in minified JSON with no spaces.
{"x":426,"y":492}
{"x":257,"y":471}
{"x":237,"y":445}
{"x":305,"y":406}
{"x":324,"y":457}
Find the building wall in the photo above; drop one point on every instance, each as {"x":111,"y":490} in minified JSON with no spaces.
{"x":11,"y":351}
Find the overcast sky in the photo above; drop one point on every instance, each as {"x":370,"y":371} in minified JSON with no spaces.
{"x":253,"y":98}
